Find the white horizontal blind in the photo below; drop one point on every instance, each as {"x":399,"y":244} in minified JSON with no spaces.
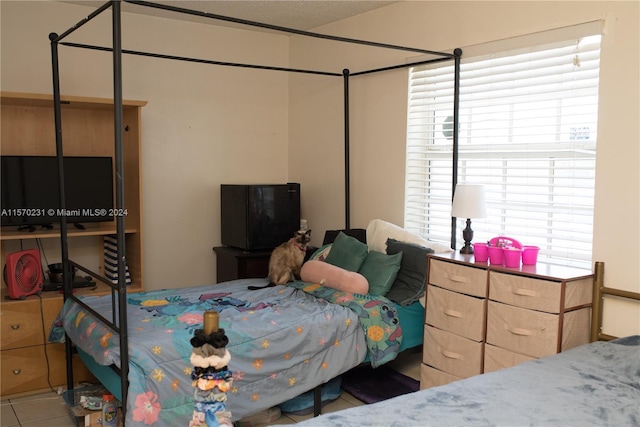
{"x":528,"y":127}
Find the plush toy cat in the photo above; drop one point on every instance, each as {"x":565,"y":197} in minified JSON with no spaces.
{"x":286,"y":260}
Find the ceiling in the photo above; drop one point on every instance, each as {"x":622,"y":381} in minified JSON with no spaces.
{"x":297,"y":14}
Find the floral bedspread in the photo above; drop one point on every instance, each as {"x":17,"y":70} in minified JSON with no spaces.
{"x":378,"y":317}
{"x":283,"y":342}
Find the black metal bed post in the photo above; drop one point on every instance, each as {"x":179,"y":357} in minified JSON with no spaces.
{"x":456,"y":117}
{"x":347,"y":180}
{"x":64,"y":244}
{"x":120,"y":226}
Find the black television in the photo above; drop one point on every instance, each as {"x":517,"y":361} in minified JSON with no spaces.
{"x":31,"y":197}
{"x":259,"y":216}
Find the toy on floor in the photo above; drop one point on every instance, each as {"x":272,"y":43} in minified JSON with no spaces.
{"x":211,"y":378}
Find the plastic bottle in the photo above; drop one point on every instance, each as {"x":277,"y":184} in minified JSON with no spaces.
{"x":109,"y":411}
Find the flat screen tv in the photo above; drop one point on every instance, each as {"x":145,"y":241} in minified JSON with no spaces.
{"x":259,"y":216}
{"x":30,"y":190}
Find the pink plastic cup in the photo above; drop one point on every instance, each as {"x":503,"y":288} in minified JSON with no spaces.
{"x":512,"y":257}
{"x":495,"y":255}
{"x":530,"y":255}
{"x":480,"y":252}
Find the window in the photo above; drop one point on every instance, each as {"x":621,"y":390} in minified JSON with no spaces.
{"x":527,"y":131}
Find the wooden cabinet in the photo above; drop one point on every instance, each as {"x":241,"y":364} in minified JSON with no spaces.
{"x":27,"y":128}
{"x":28,"y":362}
{"x":232,"y":263}
{"x":481,"y":318}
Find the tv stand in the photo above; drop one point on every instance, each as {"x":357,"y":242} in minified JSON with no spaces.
{"x":32,"y":228}
{"x":233,"y":263}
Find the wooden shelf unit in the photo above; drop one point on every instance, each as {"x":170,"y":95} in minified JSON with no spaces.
{"x":28,"y":128}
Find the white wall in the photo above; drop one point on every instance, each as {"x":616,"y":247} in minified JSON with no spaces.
{"x":204,"y":125}
{"x":378,"y":111}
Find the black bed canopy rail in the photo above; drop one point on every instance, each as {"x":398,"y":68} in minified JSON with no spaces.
{"x":457,"y":52}
{"x":200,"y":61}
{"x":284,"y":29}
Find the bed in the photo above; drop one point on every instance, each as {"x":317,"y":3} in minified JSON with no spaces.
{"x":117,"y":309}
{"x":284,"y":340}
{"x":593,"y":384}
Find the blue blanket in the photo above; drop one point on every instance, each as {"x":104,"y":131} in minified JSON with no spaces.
{"x":595,"y":384}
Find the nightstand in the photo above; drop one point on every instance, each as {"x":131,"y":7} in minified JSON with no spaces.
{"x":233,"y":263}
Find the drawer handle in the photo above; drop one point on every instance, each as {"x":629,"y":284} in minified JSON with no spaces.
{"x":520,"y":331}
{"x":450,"y":354}
{"x":455,"y":278}
{"x":452,"y":313}
{"x":17,"y":371}
{"x":15,"y":327}
{"x":526,"y":293}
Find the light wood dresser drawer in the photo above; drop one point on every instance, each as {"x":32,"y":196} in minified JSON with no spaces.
{"x":25,"y":369}
{"x":432,"y":377}
{"x":458,"y":313}
{"x":22,"y":369}
{"x":528,"y":332}
{"x":459,"y":278}
{"x":452,"y":353}
{"x":21,"y":325}
{"x":496,"y":358}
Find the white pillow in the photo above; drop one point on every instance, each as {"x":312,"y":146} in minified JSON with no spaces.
{"x":378,"y":231}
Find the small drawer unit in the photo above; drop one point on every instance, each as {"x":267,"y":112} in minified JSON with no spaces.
{"x":538,"y":316}
{"x":29,"y":363}
{"x":482,"y":318}
{"x":455,"y":318}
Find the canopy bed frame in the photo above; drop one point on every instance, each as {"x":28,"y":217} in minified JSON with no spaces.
{"x":119,"y":291}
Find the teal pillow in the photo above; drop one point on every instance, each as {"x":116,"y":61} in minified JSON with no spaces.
{"x":347,"y":252}
{"x":381,"y":271}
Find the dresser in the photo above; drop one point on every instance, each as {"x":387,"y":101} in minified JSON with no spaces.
{"x":481,"y":317}
{"x":28,"y":362}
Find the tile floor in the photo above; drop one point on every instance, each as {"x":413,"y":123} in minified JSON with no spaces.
{"x":52,"y":411}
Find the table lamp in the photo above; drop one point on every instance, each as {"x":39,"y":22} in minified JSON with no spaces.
{"x":468,"y":202}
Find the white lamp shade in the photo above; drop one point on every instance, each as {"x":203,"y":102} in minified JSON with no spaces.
{"x":469,"y":201}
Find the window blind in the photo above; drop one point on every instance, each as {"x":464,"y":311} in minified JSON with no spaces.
{"x":527,"y":131}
